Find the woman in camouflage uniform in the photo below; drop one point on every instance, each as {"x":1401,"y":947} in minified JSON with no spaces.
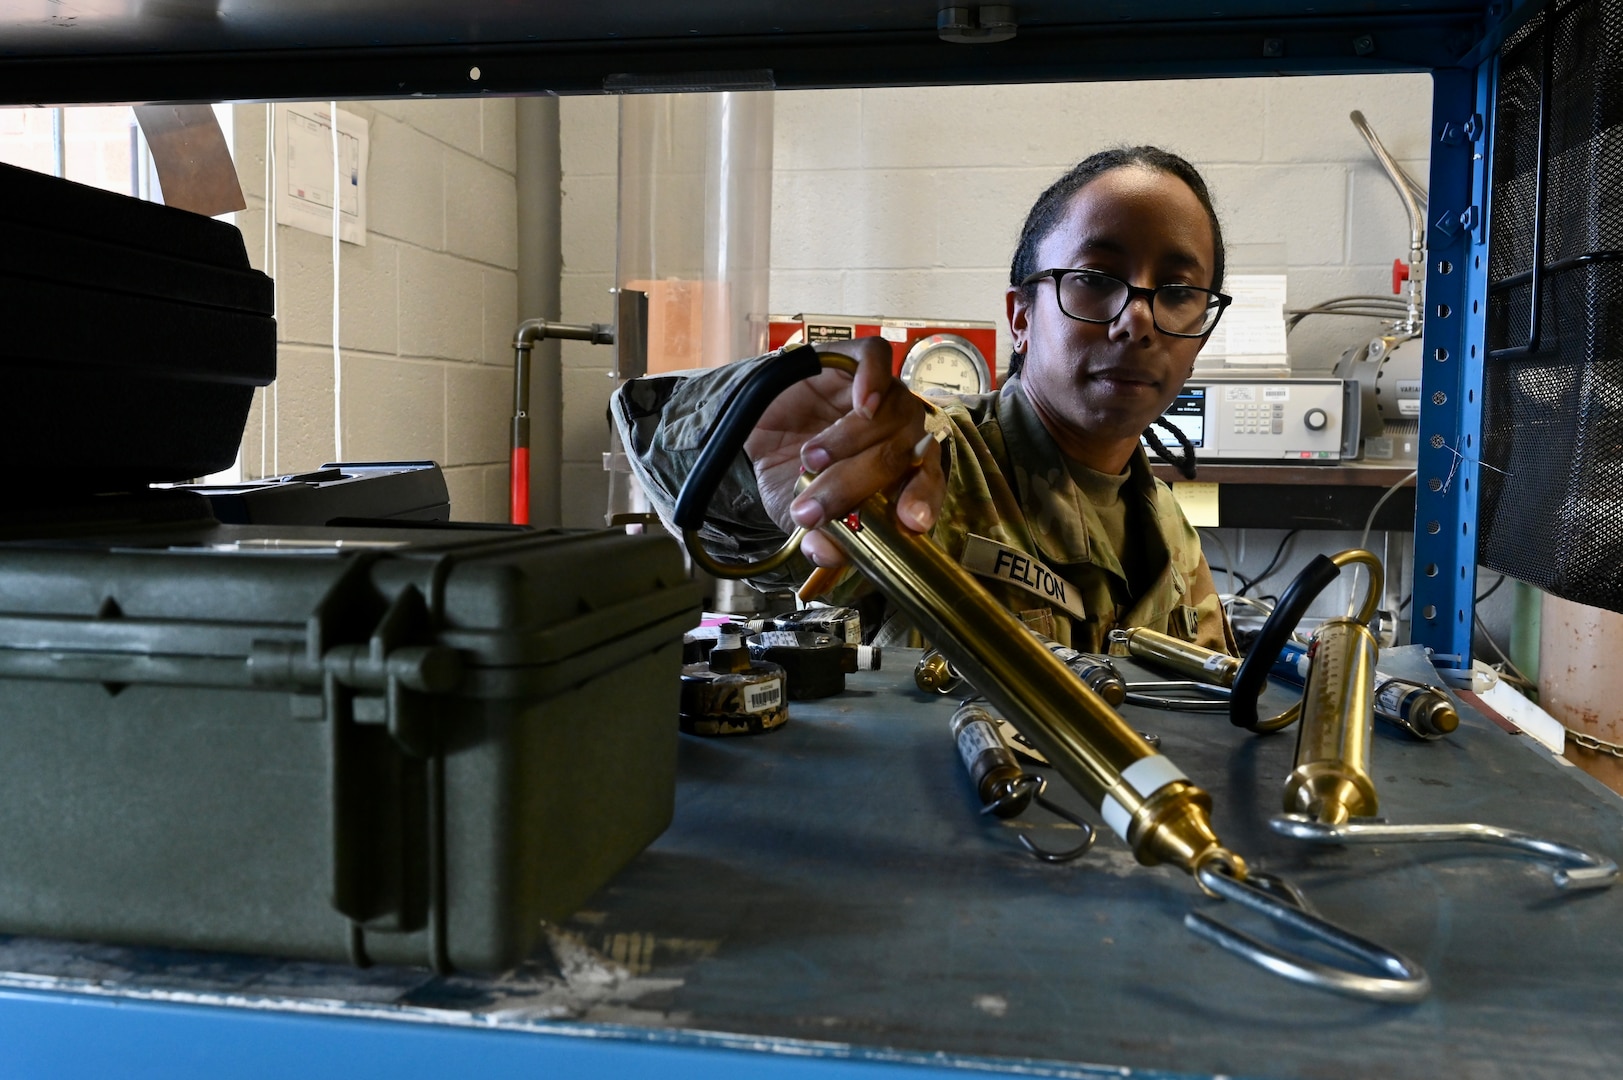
{"x":1041,"y":489}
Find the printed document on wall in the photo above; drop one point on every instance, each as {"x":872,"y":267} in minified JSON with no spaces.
{"x":304,"y":170}
{"x":1252,"y":331}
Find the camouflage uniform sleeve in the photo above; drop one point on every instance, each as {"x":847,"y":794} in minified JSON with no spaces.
{"x":664,"y":423}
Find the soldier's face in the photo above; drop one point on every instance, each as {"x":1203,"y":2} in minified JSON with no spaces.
{"x":1097,"y":386}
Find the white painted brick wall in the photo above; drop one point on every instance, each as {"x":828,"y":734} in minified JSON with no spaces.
{"x":428,"y":305}
{"x":908,"y":201}
{"x":588,"y":129}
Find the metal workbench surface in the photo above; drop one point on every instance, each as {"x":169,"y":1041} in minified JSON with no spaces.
{"x":828,"y":899}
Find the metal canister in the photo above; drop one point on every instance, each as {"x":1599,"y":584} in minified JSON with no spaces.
{"x":934,"y":674}
{"x":1423,"y":711}
{"x":1096,"y":671}
{"x":993,"y":768}
{"x":731,"y":694}
{"x":1206,"y":665}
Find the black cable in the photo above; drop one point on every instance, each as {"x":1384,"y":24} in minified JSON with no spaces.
{"x":1405,"y":603}
{"x":1245,"y":582}
{"x":1491,"y":589}
{"x":1272,"y":563}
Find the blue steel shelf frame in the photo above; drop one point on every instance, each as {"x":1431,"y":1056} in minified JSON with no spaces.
{"x":54,"y":1035}
{"x":1445,"y":535}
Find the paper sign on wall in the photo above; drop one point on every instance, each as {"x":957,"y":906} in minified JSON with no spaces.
{"x":1252,"y":330}
{"x":304,"y":170}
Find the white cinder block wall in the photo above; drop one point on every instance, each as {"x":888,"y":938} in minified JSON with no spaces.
{"x":908,"y":202}
{"x":428,"y":304}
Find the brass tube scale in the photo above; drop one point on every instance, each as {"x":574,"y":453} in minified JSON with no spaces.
{"x":1143,"y":797}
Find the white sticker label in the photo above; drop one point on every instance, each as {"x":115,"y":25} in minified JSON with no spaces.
{"x":1143,"y":778}
{"x":1239,"y":393}
{"x":1276,"y":393}
{"x":772,"y":638}
{"x":763,"y":696}
{"x":1012,"y":566}
{"x":1215,"y":663}
{"x":893,"y":333}
{"x":975,"y":738}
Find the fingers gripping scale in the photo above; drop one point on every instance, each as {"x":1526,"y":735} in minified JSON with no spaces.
{"x":1144,"y":798}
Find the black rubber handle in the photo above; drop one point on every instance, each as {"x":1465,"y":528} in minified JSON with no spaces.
{"x":1253,"y":674}
{"x":737,"y":420}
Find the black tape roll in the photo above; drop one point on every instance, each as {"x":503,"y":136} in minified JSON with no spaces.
{"x":737,"y":420}
{"x":1252,"y":677}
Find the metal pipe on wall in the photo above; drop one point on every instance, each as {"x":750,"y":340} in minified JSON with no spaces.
{"x":539,"y":182}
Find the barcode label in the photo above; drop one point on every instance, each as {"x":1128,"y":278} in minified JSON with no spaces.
{"x":763,"y":696}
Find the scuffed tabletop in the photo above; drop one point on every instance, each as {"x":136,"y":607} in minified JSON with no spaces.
{"x":830,"y":890}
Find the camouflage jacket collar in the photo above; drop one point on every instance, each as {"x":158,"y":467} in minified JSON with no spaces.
{"x":1064,"y":526}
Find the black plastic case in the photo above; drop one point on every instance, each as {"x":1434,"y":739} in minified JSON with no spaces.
{"x":397,"y":745}
{"x":134,"y":335}
{"x":335,"y":493}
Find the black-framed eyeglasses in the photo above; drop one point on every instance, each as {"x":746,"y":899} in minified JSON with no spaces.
{"x":1094,"y":297}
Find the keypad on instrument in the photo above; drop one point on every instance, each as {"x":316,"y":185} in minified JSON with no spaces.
{"x":1259,"y":418}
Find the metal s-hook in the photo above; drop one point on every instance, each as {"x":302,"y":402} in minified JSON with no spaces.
{"x":1033,"y":786}
{"x":1400,"y":979}
{"x":1575,"y":869}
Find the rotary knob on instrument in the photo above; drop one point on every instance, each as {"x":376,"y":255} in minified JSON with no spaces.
{"x":1316,"y":419}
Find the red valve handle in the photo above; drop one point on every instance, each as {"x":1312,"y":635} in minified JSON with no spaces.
{"x":1400,"y":274}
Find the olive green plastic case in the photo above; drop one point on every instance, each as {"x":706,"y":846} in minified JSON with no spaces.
{"x":383,"y":745}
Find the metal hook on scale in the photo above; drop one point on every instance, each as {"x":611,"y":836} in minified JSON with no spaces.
{"x":1399,"y":980}
{"x":1575,"y":868}
{"x":1005,"y":789}
{"x":1149,"y":802}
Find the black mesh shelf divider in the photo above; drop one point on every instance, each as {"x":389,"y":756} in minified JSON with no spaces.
{"x":1551,"y":509}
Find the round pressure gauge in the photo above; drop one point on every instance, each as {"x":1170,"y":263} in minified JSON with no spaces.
{"x":946,"y":362}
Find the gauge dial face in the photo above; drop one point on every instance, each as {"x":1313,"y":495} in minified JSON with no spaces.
{"x":946,"y":362}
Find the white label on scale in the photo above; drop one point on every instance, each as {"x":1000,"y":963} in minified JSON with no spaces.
{"x":975,"y":738}
{"x":1276,"y":393}
{"x":1239,"y":393}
